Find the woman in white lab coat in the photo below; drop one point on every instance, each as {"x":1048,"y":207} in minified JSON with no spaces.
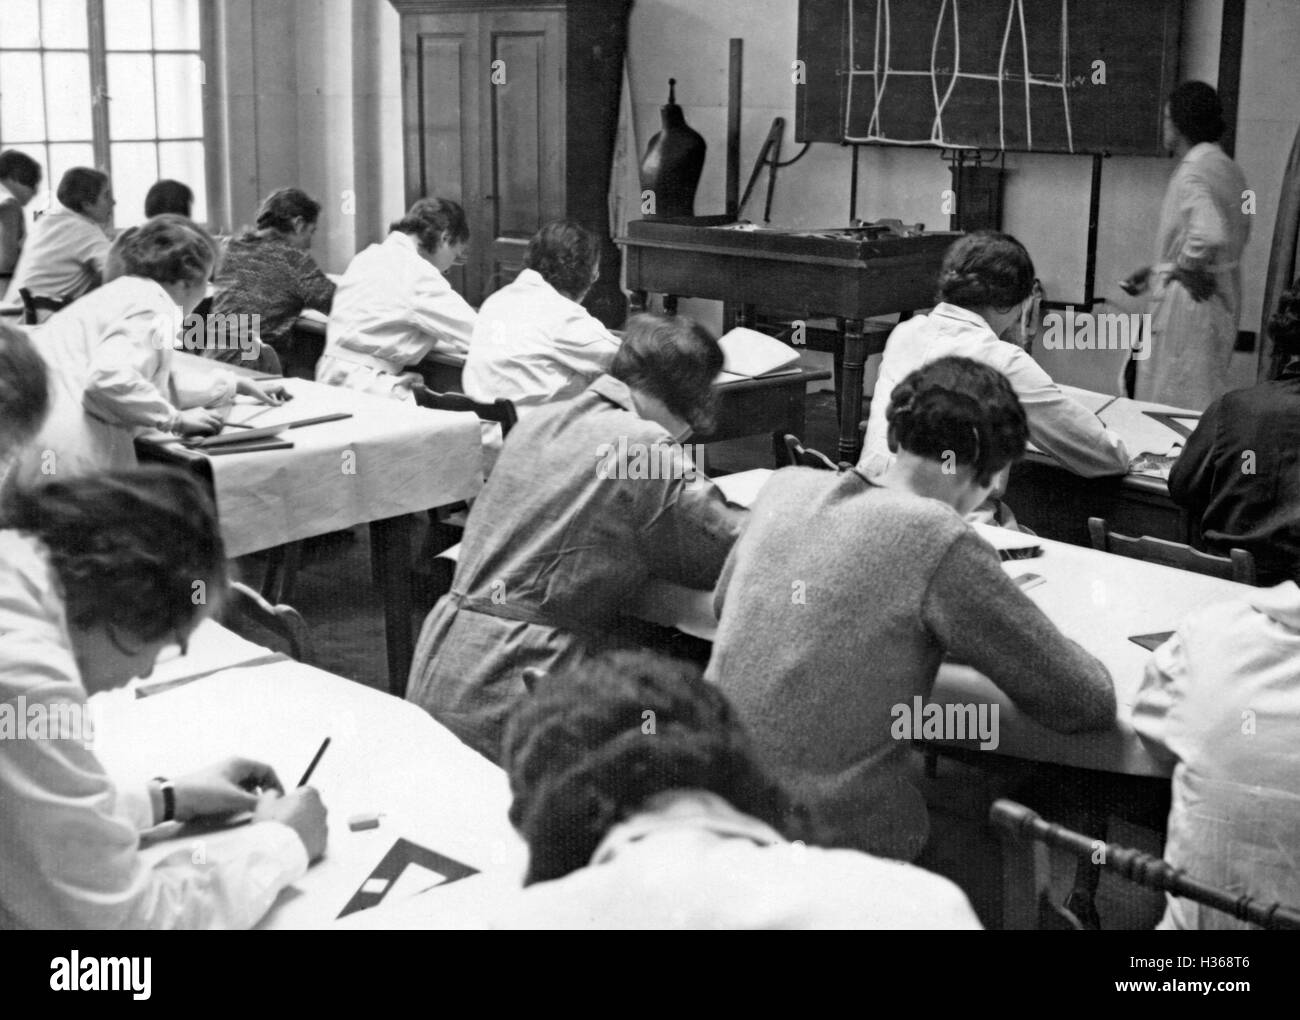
{"x":97,"y":576}
{"x":110,"y":359}
{"x":393,"y":305}
{"x":1195,"y":284}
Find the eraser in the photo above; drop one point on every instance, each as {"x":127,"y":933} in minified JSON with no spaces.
{"x":358,"y":823}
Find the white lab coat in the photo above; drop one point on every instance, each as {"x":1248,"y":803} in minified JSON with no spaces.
{"x":1058,"y":425}
{"x":532,"y":345}
{"x":69,"y":837}
{"x":391,"y":308}
{"x":1202,"y":225}
{"x":111,"y":370}
{"x":1221,"y":702}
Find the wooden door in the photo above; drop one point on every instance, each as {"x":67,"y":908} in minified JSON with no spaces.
{"x":442,"y":88}
{"x":522,"y":138}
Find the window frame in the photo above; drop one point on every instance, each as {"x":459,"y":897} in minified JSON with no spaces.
{"x":102,"y":140}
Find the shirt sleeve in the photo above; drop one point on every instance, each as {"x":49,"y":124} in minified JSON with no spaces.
{"x":119,"y":387}
{"x":203,"y":387}
{"x":986,"y":621}
{"x":1191,"y":479}
{"x":443,"y":316}
{"x":1205,"y":231}
{"x":1163,"y":684}
{"x":692,"y":532}
{"x":93,"y":251}
{"x":1062,"y":427}
{"x":316,"y":290}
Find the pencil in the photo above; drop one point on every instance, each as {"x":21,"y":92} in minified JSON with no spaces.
{"x":314,"y":762}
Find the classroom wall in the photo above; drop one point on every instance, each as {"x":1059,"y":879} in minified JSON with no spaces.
{"x":311,"y":97}
{"x":1046,"y":197}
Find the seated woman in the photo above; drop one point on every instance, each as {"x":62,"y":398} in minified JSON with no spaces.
{"x":269,"y":272}
{"x":96,"y":578}
{"x":65,"y":254}
{"x":534,"y":342}
{"x":1239,"y":475}
{"x":394,"y":306}
{"x":110,"y":359}
{"x":20,"y":176}
{"x":644,"y":805}
{"x":985,"y":279}
{"x":590,"y":499}
{"x":844,"y":594}
{"x":167,"y":196}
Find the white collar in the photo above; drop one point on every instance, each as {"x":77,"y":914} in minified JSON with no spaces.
{"x":680,"y":811}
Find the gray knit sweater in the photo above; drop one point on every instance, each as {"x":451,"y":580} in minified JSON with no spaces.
{"x":839,"y":602}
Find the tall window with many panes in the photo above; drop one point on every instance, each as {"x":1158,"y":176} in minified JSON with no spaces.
{"x":114,"y":84}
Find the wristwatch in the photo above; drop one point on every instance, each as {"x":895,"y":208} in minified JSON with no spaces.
{"x":168,"y":797}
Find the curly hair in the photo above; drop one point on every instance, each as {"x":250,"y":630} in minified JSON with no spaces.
{"x":1284,"y":324}
{"x":429,"y":218}
{"x":167,"y":248}
{"x":986,"y":269}
{"x":588,"y":748}
{"x":81,"y":186}
{"x":960,"y":408}
{"x":1196,"y":111}
{"x":24,"y":390}
{"x":675,"y":359}
{"x":127,"y":548}
{"x":280,"y":208}
{"x":168,"y":196}
{"x":564,"y":253}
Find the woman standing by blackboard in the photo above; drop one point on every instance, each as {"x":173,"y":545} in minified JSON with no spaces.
{"x":1195,"y":284}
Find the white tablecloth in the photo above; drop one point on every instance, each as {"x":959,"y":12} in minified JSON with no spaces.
{"x":388,"y":459}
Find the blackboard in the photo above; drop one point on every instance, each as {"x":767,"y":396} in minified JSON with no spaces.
{"x":1016,"y":75}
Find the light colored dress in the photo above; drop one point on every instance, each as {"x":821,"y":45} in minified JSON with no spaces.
{"x":110,"y":360}
{"x":533,"y":345}
{"x":63,"y":257}
{"x":1202,"y":226}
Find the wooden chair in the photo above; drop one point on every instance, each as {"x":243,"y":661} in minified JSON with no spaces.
{"x":1238,"y":565}
{"x":34,"y":305}
{"x":251,"y":616}
{"x":798,"y":455}
{"x":1026,"y":872}
{"x":500,"y":411}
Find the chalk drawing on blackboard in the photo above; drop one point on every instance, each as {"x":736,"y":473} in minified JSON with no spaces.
{"x":1014,"y":78}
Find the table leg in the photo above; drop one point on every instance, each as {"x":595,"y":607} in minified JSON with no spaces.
{"x":745,"y":316}
{"x":670,"y":304}
{"x":390,"y":541}
{"x":851,"y":377}
{"x":636,"y":302}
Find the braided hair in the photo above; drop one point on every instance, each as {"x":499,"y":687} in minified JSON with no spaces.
{"x":962,"y":409}
{"x":127,"y":548}
{"x":590,"y":747}
{"x":986,"y":269}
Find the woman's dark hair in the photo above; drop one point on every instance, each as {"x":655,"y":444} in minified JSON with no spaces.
{"x":986,"y":269}
{"x":429,"y":218}
{"x":564,"y":253}
{"x":280,"y":208}
{"x":1284,"y":324}
{"x":24,"y":390}
{"x":168,"y":196}
{"x":959,"y":409}
{"x":20,"y":167}
{"x":673,"y":358}
{"x":167,"y":248}
{"x":589,"y":747}
{"x":80,"y":187}
{"x":129,"y":548}
{"x":1196,"y":111}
